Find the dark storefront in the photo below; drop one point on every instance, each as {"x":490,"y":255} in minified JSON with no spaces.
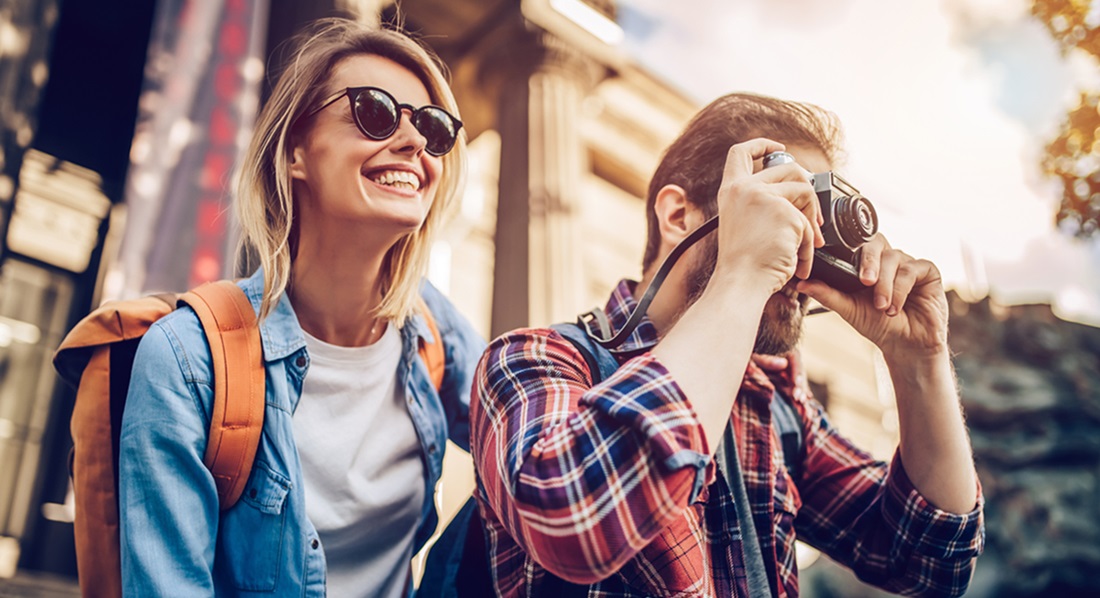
{"x":73,"y":76}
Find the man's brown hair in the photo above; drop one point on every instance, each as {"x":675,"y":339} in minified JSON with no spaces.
{"x":696,"y":159}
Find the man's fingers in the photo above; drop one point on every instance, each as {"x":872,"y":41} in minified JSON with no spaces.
{"x":888,"y":271}
{"x":740,"y":157}
{"x":910,"y":273}
{"x":806,"y":249}
{"x":840,"y":303}
{"x":786,"y":172}
{"x":871,"y":258}
{"x":803,"y":198}
{"x":773,"y":363}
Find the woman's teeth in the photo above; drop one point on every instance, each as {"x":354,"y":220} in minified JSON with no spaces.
{"x":397,"y":178}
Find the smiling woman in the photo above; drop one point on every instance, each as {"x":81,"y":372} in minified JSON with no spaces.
{"x":339,"y":201}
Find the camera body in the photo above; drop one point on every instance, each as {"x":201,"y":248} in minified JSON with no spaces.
{"x":850,"y":222}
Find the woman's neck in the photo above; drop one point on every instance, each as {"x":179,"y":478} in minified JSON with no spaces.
{"x":336,"y":292}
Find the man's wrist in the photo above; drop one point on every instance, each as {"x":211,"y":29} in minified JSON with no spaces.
{"x":916,"y":357}
{"x":748,"y":290}
{"x":921,"y":373}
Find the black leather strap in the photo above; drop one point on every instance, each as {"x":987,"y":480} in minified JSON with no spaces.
{"x":643,"y":304}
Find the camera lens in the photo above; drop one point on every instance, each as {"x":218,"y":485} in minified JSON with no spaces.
{"x":777,"y":158}
{"x":856,"y":220}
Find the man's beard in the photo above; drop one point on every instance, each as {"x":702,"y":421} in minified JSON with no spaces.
{"x":780,"y":326}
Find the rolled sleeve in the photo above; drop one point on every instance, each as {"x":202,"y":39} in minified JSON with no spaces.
{"x":644,"y":397}
{"x":867,"y":515}
{"x":581,"y":476}
{"x":930,"y":531}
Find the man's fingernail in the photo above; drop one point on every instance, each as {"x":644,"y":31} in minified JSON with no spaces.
{"x":880,"y":301}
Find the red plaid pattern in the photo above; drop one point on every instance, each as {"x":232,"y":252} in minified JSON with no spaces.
{"x":612,"y":485}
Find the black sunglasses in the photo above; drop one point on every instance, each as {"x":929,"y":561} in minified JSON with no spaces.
{"x":377,"y":114}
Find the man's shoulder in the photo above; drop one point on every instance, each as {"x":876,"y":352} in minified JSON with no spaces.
{"x":517,"y":341}
{"x":538,"y":349}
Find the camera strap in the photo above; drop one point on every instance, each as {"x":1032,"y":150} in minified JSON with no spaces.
{"x":729,"y":463}
{"x":599,"y":318}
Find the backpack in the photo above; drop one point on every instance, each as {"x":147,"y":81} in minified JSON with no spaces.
{"x":457,"y":566}
{"x":97,"y":357}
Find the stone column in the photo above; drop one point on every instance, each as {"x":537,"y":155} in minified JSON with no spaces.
{"x":538,"y":273}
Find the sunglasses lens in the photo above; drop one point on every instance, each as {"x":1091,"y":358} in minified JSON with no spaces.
{"x":376,"y":113}
{"x":437,"y":127}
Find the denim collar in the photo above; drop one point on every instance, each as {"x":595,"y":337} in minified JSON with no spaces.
{"x":419,"y":326}
{"x":280,"y":331}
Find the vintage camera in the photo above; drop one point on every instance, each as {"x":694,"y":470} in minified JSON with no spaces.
{"x":850,"y":222}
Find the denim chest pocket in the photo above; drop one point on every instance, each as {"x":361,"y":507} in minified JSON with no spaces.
{"x":251,"y":534}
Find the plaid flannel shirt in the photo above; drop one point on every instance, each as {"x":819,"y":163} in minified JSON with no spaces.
{"x":612,"y":485}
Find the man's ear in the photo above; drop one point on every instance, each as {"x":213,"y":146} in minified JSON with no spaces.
{"x":675,"y":218}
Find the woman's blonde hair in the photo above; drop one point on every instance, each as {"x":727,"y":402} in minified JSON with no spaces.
{"x":264,"y":200}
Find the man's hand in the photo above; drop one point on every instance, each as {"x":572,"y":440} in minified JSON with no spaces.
{"x":904,"y":312}
{"x":770,"y":221}
{"x":769,"y":224}
{"x":770,"y":363}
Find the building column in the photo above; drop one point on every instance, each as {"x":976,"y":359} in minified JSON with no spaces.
{"x":538,"y":271}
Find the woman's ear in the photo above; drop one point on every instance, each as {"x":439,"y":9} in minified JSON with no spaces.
{"x":297,"y":157}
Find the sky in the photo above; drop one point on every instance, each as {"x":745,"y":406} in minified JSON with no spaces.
{"x":946,"y":106}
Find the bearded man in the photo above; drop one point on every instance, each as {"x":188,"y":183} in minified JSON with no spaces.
{"x":610,"y":487}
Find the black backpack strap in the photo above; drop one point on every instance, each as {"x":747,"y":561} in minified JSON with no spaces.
{"x":789,"y":429}
{"x":601,"y":363}
{"x":729,"y":463}
{"x":457,"y":565}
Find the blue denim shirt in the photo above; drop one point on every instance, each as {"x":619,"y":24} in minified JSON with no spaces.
{"x":174,"y":539}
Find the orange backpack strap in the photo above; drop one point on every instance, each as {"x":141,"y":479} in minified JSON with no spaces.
{"x":237,"y":420}
{"x":432,"y":353}
{"x":84,"y":359}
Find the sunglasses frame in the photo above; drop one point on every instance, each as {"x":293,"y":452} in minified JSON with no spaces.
{"x":353,"y":92}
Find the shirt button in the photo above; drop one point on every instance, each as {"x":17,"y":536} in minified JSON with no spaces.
{"x":431,"y":450}
{"x":314,"y":544}
{"x":410,"y":399}
{"x":252,"y":493}
{"x":300,"y":362}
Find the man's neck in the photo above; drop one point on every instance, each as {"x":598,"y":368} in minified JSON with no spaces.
{"x":669,"y":303}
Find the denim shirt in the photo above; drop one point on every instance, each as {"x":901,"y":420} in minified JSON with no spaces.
{"x":174,"y":539}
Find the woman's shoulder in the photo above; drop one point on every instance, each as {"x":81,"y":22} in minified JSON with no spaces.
{"x":178,"y":338}
{"x":440,"y":308}
{"x":448,"y":319}
{"x":434,"y":298}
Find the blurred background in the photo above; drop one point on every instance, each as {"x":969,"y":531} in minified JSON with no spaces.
{"x":973,"y":126}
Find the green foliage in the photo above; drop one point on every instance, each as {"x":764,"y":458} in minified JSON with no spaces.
{"x":1073,"y":157}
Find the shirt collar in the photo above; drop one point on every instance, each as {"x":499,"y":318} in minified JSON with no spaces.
{"x":622,"y":303}
{"x":418,"y":325}
{"x":618,"y":309}
{"x":280,"y":332}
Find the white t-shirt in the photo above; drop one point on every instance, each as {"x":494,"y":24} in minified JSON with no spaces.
{"x":361,"y":461}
